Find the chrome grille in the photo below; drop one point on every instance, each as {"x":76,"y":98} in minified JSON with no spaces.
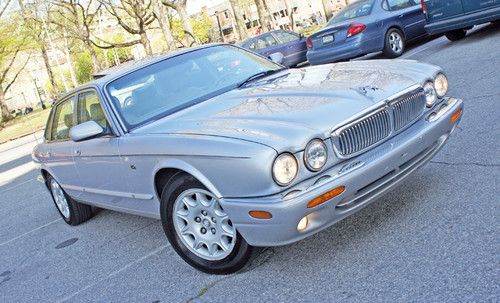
{"x":364,"y":133}
{"x":377,"y":126}
{"x":408,"y":108}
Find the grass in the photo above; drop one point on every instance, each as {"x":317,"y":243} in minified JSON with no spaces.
{"x":24,"y":125}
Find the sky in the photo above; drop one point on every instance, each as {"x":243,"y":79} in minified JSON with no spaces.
{"x":194,"y":6}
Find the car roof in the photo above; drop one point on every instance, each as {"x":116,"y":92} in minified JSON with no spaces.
{"x":104,"y":76}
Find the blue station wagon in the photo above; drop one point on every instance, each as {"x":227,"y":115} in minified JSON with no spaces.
{"x":367,"y":26}
{"x":454,"y":17}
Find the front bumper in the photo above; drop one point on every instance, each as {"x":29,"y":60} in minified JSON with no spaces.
{"x":365,"y":177}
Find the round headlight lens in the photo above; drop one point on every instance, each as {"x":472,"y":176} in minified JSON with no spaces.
{"x":430,"y":94}
{"x":285,"y":169}
{"x":315,"y":155}
{"x":441,"y":85}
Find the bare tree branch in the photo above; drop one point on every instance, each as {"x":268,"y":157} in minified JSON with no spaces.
{"x":2,"y":9}
{"x":114,"y":44}
{"x":16,"y":75}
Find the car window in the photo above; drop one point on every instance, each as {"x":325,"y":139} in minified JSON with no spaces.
{"x":63,"y":120}
{"x":286,"y":37}
{"x":181,"y":81}
{"x":354,"y":10}
{"x":398,"y":4}
{"x":252,"y":45}
{"x":265,"y":41}
{"x":90,"y":109}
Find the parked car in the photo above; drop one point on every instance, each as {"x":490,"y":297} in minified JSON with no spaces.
{"x":290,"y":45}
{"x":231,"y":151}
{"x":455,"y":17}
{"x":367,"y":26}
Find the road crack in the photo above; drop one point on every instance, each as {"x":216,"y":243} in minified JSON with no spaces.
{"x":465,"y":164}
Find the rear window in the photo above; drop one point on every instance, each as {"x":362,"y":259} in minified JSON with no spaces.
{"x":353,"y":10}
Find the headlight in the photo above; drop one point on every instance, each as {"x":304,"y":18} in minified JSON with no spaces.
{"x":441,"y":85}
{"x":430,"y":94}
{"x":315,"y":155}
{"x":285,"y":169}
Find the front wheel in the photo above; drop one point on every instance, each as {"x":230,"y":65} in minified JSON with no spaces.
{"x":394,"y":45}
{"x":199,"y":229}
{"x":456,"y":34}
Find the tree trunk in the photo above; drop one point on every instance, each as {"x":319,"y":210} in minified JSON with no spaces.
{"x":50,"y":73}
{"x":161,"y":16}
{"x":71,"y":68}
{"x":240,"y":22}
{"x":290,"y":14}
{"x":186,"y":22}
{"x":146,"y":43}
{"x":264,"y":17}
{"x":93,"y":56}
{"x":328,"y":9}
{"x":6,"y":116}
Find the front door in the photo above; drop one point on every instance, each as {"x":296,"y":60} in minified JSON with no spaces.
{"x":104,"y":178}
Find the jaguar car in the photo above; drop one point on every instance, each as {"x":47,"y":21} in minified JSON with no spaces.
{"x":232,"y":152}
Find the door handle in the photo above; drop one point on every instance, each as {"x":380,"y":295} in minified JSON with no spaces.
{"x":78,"y":152}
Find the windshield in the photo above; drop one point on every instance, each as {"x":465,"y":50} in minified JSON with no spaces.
{"x":181,"y":81}
{"x":353,"y":10}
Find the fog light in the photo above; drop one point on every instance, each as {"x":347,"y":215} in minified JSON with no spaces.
{"x":303,"y":224}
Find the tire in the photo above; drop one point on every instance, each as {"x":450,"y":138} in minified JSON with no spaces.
{"x":456,"y":34}
{"x":394,"y":43}
{"x":72,"y":212}
{"x":176,"y":217}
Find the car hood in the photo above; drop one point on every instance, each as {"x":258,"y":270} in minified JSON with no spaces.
{"x":286,"y":110}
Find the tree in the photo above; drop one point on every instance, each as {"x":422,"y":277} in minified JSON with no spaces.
{"x":74,"y":18}
{"x":180,"y":7}
{"x":134,"y":16}
{"x":264,"y":17}
{"x":12,"y":43}
{"x":240,"y":21}
{"x":162,"y":17}
{"x":35,"y":30}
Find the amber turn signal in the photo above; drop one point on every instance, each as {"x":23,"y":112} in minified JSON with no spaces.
{"x":260,"y":214}
{"x":456,"y":115}
{"x":325,"y":197}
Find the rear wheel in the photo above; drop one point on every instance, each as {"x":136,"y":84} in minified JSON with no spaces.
{"x":199,"y":229}
{"x":394,"y":43}
{"x":72,"y":212}
{"x":456,"y":34}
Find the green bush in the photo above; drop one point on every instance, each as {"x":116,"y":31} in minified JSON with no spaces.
{"x":83,"y":68}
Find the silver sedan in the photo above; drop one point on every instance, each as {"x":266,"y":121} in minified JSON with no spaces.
{"x":232,"y":151}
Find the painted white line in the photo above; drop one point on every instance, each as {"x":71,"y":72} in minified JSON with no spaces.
{"x":114,"y":273}
{"x":16,"y":186}
{"x":29,"y":232}
{"x":11,"y":174}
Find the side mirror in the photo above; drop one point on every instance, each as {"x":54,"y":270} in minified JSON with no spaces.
{"x":277,"y":58}
{"x":85,"y":131}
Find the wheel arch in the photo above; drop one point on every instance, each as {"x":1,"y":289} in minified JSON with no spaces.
{"x":167,"y":171}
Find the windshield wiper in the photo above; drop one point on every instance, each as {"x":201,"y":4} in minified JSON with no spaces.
{"x":260,"y":75}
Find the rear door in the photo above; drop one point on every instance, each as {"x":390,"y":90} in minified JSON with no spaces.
{"x":59,"y":147}
{"x":293,"y":46}
{"x":439,"y":10}
{"x":409,"y":14}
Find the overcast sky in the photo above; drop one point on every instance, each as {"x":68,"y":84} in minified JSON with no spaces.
{"x":194,"y":6}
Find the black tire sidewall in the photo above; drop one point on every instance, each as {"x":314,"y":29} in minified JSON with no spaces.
{"x":387,"y":45}
{"x":235,"y":261}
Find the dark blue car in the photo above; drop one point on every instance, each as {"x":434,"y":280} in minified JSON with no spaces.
{"x":367,"y":26}
{"x":454,"y":17}
{"x":289,"y":44}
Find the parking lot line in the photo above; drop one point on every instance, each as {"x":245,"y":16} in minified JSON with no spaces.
{"x":114,"y":273}
{"x":29,"y":232}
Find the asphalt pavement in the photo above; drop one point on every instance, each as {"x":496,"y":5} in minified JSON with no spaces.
{"x":435,"y":238}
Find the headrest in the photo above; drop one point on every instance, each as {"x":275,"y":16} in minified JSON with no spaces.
{"x":96,"y":112}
